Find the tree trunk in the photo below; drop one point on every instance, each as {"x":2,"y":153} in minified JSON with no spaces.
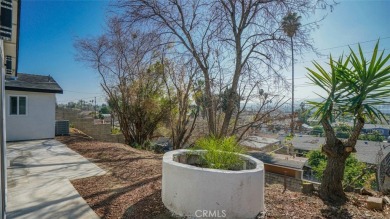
{"x":331,"y":185}
{"x":233,"y":91}
{"x":292,"y":79}
{"x":209,"y":104}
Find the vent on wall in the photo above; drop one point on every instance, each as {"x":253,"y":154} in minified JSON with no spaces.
{"x":8,"y":65}
{"x":62,"y":127}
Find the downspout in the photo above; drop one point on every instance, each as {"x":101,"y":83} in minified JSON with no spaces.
{"x":3,"y":157}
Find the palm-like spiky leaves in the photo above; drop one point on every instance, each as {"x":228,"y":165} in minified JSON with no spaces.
{"x":356,"y":85}
{"x":291,"y":24}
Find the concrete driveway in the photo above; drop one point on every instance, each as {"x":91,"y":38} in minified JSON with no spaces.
{"x":38,"y":180}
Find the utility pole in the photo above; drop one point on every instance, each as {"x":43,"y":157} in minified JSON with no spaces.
{"x":95,"y":108}
{"x":292,"y":101}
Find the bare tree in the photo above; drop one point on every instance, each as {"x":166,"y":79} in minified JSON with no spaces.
{"x":265,"y":108}
{"x":247,"y":32}
{"x":187,"y":24}
{"x":179,"y":80}
{"x":132,"y":78}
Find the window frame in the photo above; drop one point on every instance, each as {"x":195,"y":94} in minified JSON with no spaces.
{"x":17,"y":105}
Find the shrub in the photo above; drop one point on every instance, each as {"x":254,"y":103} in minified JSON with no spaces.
{"x":343,"y":127}
{"x":317,"y":130}
{"x":374,"y":136}
{"x":356,"y":173}
{"x":342,"y":134}
{"x":148,"y":145}
{"x":315,"y":158}
{"x":115,"y":131}
{"x":221,"y":153}
{"x":343,"y":130}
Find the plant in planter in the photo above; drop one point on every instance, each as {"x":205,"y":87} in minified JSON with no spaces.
{"x":216,"y":180}
{"x":220,"y":153}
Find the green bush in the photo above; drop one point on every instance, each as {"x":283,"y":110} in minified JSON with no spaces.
{"x":343,"y":127}
{"x":220,"y":153}
{"x":343,"y":130}
{"x":353,"y":169}
{"x":374,"y":136}
{"x":317,"y":130}
{"x":342,"y":135}
{"x":148,"y":145}
{"x":315,"y":158}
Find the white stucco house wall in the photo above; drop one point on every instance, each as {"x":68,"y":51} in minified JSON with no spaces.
{"x":30,"y":106}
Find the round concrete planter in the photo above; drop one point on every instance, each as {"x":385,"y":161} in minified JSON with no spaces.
{"x":196,"y":192}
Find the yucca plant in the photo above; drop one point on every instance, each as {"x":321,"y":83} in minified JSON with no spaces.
{"x":221,"y":153}
{"x":354,"y":86}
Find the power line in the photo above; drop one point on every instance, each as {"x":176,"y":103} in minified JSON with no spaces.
{"x":80,"y":92}
{"x":295,"y":78}
{"x":367,"y":41}
{"x":309,"y":85}
{"x":327,"y":57}
{"x":82,"y":98}
{"x":305,"y":85}
{"x":336,"y":59}
{"x":345,"y":45}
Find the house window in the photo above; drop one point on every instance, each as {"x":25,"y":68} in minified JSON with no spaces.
{"x":18,"y":105}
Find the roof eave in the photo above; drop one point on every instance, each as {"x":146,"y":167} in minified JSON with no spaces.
{"x":34,"y":90}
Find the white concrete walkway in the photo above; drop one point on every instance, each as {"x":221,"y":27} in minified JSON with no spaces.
{"x":38,"y":181}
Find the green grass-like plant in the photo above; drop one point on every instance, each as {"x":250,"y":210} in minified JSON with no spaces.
{"x":221,"y":153}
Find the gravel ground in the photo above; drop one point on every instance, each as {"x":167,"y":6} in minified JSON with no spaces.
{"x":132,"y":187}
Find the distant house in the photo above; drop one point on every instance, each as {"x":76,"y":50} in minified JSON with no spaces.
{"x":282,"y":164}
{"x":367,"y":151}
{"x":382,"y":129}
{"x":384,"y":172}
{"x":260,"y":143}
{"x":283,"y":169}
{"x":306,"y":128}
{"x":279,"y":165}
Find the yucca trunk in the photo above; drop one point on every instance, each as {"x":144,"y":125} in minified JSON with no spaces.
{"x":332,"y":180}
{"x":331,"y":185}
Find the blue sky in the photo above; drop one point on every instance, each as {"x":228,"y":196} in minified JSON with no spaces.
{"x":47,"y":33}
{"x":49,"y":28}
{"x":349,"y":23}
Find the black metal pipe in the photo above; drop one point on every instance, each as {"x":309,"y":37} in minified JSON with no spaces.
{"x":3,"y":156}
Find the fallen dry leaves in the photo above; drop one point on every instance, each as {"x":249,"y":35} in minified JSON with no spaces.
{"x":296,"y":205}
{"x":132,"y":187}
